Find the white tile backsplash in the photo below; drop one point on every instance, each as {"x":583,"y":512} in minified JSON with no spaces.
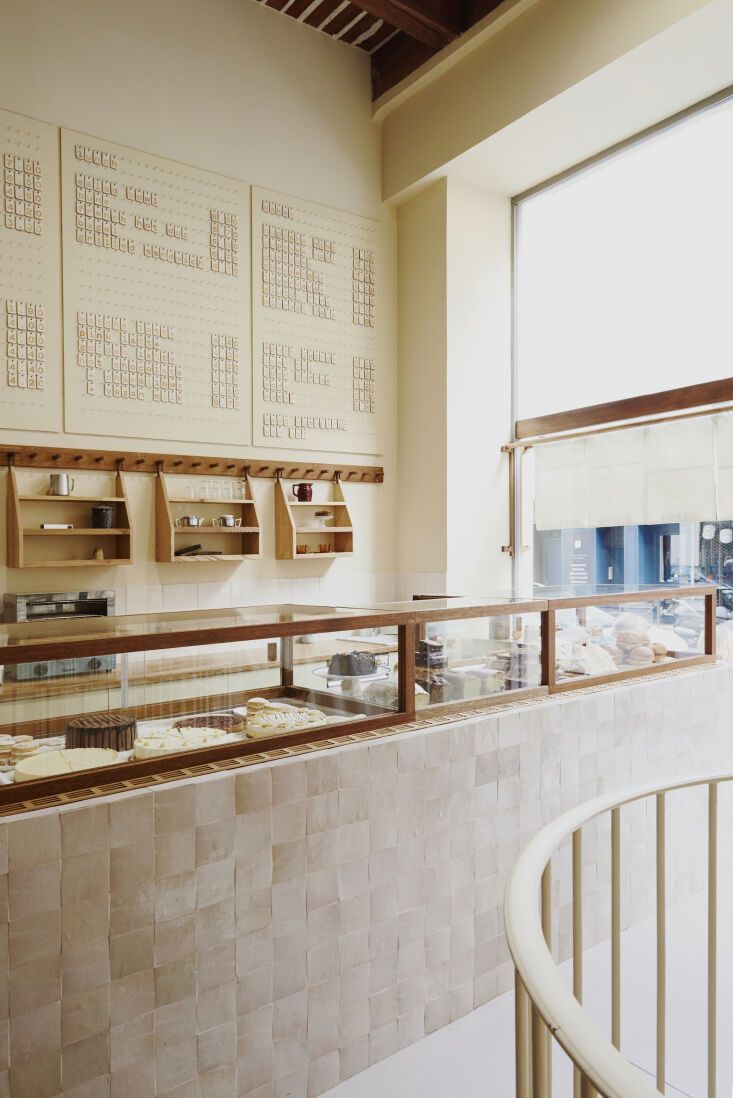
{"x":333,"y":588}
{"x":213,"y":596}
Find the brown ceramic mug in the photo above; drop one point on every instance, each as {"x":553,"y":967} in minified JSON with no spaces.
{"x":303,"y":492}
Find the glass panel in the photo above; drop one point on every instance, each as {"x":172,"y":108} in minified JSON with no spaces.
{"x":476,"y":658}
{"x":188,"y":622}
{"x":153,"y":704}
{"x":352,"y":673}
{"x":604,"y":640}
{"x":608,"y":303}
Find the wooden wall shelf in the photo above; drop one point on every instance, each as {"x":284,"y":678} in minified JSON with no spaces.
{"x":232,"y":542}
{"x":31,"y":547}
{"x":291,"y":516}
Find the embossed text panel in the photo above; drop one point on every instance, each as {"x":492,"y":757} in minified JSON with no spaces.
{"x":30,"y":275}
{"x":315,"y":379}
{"x":156,"y":296}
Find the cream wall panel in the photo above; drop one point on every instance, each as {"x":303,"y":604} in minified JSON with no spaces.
{"x":156,"y":289}
{"x":30,"y":274}
{"x":315,"y":369}
{"x":479,"y":389}
{"x":232,"y":87}
{"x":422,"y":441}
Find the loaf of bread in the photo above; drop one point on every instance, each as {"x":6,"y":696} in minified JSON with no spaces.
{"x":641,"y":654}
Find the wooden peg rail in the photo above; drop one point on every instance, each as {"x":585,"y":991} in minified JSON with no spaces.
{"x":44,"y":457}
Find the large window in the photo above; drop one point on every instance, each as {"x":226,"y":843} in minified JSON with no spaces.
{"x":624,"y":272}
{"x":624,"y":283}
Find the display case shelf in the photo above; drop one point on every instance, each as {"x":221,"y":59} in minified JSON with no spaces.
{"x":289,"y":534}
{"x":170,"y":537}
{"x":29,"y":546}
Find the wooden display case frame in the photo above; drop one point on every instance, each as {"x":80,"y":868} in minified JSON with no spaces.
{"x":107,"y":636}
{"x":118,"y":537}
{"x":245,"y":540}
{"x":288,"y":535}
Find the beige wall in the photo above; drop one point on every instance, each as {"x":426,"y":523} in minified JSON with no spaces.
{"x":479,"y":390}
{"x":234,"y":88}
{"x":422,"y":335}
{"x":520,"y":63}
{"x":454,"y":244}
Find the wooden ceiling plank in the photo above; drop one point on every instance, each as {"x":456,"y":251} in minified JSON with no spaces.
{"x":365,"y":39}
{"x":434,"y":23}
{"x":395,"y":60}
{"x":323,"y":12}
{"x":297,"y":8}
{"x":380,"y":39}
{"x":341,"y":19}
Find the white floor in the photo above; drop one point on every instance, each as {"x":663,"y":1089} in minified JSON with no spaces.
{"x":473,"y":1058}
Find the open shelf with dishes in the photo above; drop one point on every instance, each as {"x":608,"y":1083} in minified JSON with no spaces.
{"x":64,"y":535}
{"x":317,"y":528}
{"x":200,"y":519}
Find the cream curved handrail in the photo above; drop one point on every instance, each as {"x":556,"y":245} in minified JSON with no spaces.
{"x":545,"y":1006}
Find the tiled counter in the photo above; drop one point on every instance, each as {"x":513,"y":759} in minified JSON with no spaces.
{"x":272,"y":931}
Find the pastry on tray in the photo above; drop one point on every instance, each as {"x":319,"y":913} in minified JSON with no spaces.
{"x":170,"y":740}
{"x":352,"y":664}
{"x":272,"y":718}
{"x":225,"y":722}
{"x":115,"y":730}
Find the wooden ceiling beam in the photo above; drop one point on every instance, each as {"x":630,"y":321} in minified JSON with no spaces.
{"x":395,"y":60}
{"x":434,"y":23}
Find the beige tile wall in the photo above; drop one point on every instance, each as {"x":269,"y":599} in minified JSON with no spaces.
{"x":271,"y":932}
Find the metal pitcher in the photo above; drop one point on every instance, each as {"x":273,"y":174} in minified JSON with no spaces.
{"x":60,"y":484}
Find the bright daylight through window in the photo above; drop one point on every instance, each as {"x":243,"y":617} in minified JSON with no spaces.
{"x":623,"y":288}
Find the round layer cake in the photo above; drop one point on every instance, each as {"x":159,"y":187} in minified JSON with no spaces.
{"x":114,"y":730}
{"x":226,"y":722}
{"x":50,"y":764}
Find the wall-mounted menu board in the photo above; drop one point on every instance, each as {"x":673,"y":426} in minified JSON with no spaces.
{"x":315,"y":300}
{"x":30,"y":275}
{"x":156,"y":294}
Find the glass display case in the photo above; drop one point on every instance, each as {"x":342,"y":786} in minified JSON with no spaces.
{"x":110,"y":703}
{"x":602,"y":634}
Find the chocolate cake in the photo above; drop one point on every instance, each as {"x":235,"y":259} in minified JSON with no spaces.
{"x":352,"y":663}
{"x":226,"y":722}
{"x":430,"y":654}
{"x":115,"y":730}
{"x":439,"y":689}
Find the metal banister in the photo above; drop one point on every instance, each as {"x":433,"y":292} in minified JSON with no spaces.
{"x":546,"y":1009}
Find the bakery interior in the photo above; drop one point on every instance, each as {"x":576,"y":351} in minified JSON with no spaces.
{"x":366,"y":439}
